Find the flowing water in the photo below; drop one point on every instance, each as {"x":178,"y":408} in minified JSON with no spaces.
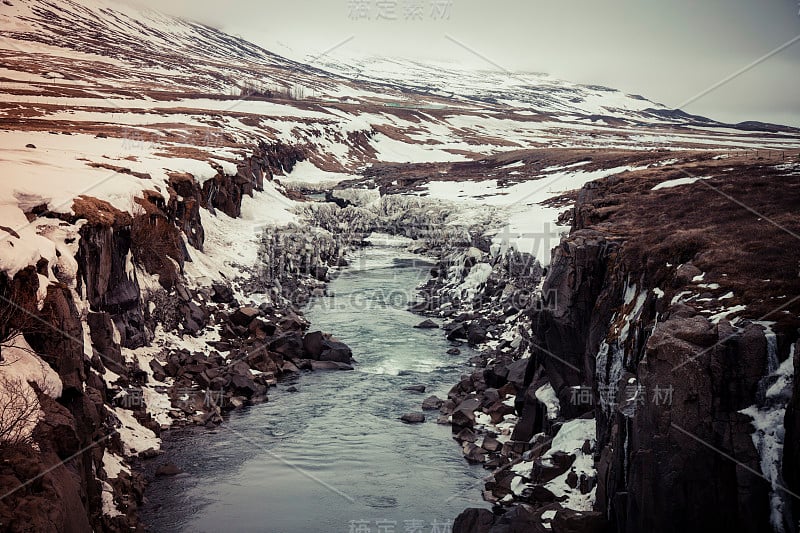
{"x":334,"y":456}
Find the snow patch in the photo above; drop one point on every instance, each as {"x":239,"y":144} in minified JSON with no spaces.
{"x":547,"y":395}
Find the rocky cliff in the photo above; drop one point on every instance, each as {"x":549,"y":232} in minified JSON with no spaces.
{"x":671,"y":326}
{"x":123,"y":287}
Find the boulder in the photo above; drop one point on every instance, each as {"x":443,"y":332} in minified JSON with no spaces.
{"x":466,"y":435}
{"x":456,"y":330}
{"x":261,"y":329}
{"x":289,"y":344}
{"x":159,"y":373}
{"x":491,"y":444}
{"x":476,"y":334}
{"x":427,"y":324}
{"x":244,"y":315}
{"x":244,"y":386}
{"x":329,"y":365}
{"x":570,"y":521}
{"x":474,"y":520}
{"x":516,"y":373}
{"x":544,"y":470}
{"x":413,"y":418}
{"x":474,"y":453}
{"x":432,"y":403}
{"x":168,"y":469}
{"x":222,"y":293}
{"x":415,"y":388}
{"x":320,"y":273}
{"x":312,"y":344}
{"x":464,"y":413}
{"x":335,"y":351}
{"x":293,"y":322}
{"x":289,"y":367}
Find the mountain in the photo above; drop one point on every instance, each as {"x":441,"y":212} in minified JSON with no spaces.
{"x":86,"y":65}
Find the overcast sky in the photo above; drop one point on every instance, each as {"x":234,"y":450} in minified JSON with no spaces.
{"x":669,"y":50}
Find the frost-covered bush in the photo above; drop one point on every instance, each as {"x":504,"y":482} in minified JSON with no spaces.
{"x":19,"y":411}
{"x":288,"y":254}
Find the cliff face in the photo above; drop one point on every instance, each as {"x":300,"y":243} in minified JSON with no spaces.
{"x":678,"y":388}
{"x":658,"y":467}
{"x":71,"y":474}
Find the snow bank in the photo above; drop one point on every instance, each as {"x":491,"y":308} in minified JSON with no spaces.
{"x":675,"y":183}
{"x":768,"y":421}
{"x":547,"y":395}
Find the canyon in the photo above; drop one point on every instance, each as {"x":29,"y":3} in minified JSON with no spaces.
{"x":611,"y":285}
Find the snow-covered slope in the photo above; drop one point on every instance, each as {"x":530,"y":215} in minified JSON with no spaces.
{"x":183,"y":89}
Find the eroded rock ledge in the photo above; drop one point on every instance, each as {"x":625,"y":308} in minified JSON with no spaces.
{"x":654,"y":345}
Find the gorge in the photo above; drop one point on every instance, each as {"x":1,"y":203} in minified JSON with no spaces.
{"x":262,"y":296}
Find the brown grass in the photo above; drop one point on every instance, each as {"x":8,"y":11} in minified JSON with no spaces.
{"x":740,"y":250}
{"x":157,"y":244}
{"x":99,"y":212}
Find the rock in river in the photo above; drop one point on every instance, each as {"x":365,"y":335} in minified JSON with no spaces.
{"x":432,"y":403}
{"x":413,"y":418}
{"x":168,"y":469}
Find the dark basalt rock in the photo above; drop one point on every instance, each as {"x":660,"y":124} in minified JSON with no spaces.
{"x":101,"y":329}
{"x":103,"y":273}
{"x":476,"y":334}
{"x":329,"y":365}
{"x":413,"y":418}
{"x":474,"y":453}
{"x":791,"y":454}
{"x":570,"y":521}
{"x":60,"y":343}
{"x":464,"y":413}
{"x":313,"y":344}
{"x":427,"y":324}
{"x":432,"y":403}
{"x":289,"y":344}
{"x":222,"y":293}
{"x":335,"y":351}
{"x":474,"y":520}
{"x":244,"y":316}
{"x":456,"y":330}
{"x":491,"y":444}
{"x":183,"y":208}
{"x":168,"y":469}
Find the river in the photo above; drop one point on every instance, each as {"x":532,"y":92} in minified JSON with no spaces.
{"x":334,"y":456}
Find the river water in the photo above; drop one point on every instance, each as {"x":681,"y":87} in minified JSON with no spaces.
{"x":333,"y":456}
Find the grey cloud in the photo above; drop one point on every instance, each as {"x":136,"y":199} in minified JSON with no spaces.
{"x":666,"y":51}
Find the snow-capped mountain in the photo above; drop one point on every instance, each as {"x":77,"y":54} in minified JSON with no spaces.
{"x":137,"y":74}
